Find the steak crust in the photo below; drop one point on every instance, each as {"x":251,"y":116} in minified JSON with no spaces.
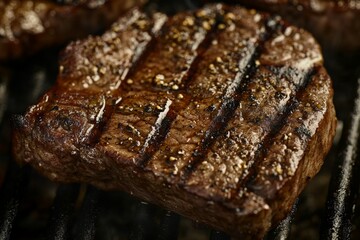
{"x":335,"y":24}
{"x":28,"y":26}
{"x":221,"y":115}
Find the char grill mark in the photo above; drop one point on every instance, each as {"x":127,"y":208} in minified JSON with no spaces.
{"x":134,"y":123}
{"x":228,"y":161}
{"x":285,"y":148}
{"x":173,"y":56}
{"x":256,"y":119}
{"x":76,"y":109}
{"x":155,"y":89}
{"x":289,"y":153}
{"x":103,"y":63}
{"x":222,"y":70}
{"x":297,"y":69}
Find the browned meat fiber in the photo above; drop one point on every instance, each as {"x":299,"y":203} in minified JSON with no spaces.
{"x":334,"y":23}
{"x":221,"y":115}
{"x":28,"y":26}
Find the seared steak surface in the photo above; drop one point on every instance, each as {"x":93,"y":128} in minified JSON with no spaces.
{"x":221,"y":115}
{"x":27,"y":26}
{"x":335,"y":23}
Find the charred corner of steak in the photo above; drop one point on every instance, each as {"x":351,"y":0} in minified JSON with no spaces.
{"x":221,"y":115}
{"x":28,"y":26}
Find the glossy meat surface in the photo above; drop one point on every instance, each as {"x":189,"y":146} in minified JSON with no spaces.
{"x":222,"y":115}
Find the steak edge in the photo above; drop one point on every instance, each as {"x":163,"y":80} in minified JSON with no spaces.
{"x":221,"y":115}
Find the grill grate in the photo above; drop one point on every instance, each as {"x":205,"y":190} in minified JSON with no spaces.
{"x":282,"y":231}
{"x":344,"y":186}
{"x":60,"y":218}
{"x":169,"y":227}
{"x":83,"y":212}
{"x":85,"y":226}
{"x":11,"y":194}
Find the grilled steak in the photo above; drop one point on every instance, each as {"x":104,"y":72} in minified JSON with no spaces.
{"x":27,"y":26}
{"x":336,"y":24}
{"x":221,"y":115}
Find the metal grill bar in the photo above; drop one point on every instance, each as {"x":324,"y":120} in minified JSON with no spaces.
{"x":85,"y":227}
{"x":282,"y":231}
{"x":343,"y":184}
{"x":11,"y":195}
{"x":58,"y":226}
{"x":169,"y":227}
{"x":143,"y":222}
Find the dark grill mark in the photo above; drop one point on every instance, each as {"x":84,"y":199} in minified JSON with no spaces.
{"x":205,"y":176}
{"x":226,"y":111}
{"x":87,"y":74}
{"x":154,"y":79}
{"x":221,"y":102}
{"x":277,"y":125}
{"x":290,"y":106}
{"x":220,"y":122}
{"x":162,"y":131}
